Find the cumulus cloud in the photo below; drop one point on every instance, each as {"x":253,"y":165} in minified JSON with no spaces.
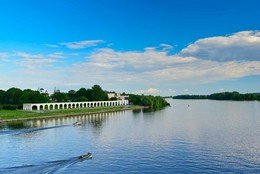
{"x":111,"y":67}
{"x":134,"y":61}
{"x":202,"y":71}
{"x":241,"y":46}
{"x":82,"y":44}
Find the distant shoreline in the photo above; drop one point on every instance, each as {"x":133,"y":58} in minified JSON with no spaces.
{"x":233,"y":96}
{"x":58,"y":115}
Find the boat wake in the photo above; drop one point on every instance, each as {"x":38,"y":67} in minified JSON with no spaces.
{"x":20,"y":131}
{"x":44,"y":168}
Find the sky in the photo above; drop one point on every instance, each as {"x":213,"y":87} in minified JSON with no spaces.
{"x":152,"y":47}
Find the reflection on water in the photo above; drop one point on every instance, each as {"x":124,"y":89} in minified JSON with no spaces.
{"x":96,"y":120}
{"x":20,"y":131}
{"x":136,"y":111}
{"x":16,"y":125}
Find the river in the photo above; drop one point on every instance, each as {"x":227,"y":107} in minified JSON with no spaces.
{"x":191,"y":136}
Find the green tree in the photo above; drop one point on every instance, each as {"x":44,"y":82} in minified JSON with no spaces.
{"x":71,"y":95}
{"x":98,"y":94}
{"x":81,"y":95}
{"x":89,"y":95}
{"x":2,"y":92}
{"x":30,"y":96}
{"x":12,"y":96}
{"x":59,"y":96}
{"x":81,"y":99}
{"x":113,"y":98}
{"x":135,"y":99}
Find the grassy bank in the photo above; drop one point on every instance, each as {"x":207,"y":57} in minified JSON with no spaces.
{"x":7,"y":115}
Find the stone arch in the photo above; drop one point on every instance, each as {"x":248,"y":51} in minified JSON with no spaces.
{"x":61,"y":106}
{"x":34,"y":107}
{"x":41,"y":107}
{"x":56,"y":106}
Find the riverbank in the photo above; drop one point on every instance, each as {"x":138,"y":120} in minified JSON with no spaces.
{"x":21,"y":115}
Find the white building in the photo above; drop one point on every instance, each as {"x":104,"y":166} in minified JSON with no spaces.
{"x":118,"y":96}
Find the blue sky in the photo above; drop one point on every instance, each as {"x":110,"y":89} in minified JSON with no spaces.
{"x":158,"y":47}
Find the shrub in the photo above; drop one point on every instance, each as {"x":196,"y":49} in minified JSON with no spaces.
{"x":10,"y":107}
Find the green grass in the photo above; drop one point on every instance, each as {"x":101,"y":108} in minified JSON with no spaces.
{"x":18,"y":114}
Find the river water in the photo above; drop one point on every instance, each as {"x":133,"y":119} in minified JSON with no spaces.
{"x":191,"y":136}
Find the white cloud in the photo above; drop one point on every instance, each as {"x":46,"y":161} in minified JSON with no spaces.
{"x":207,"y":71}
{"x":241,"y":46}
{"x":51,"y":45}
{"x":36,"y":61}
{"x":57,"y":55}
{"x":110,"y":67}
{"x":134,"y":61}
{"x":4,"y":57}
{"x":82,"y":44}
{"x":148,"y":91}
{"x":30,"y":56}
{"x":166,"y":47}
{"x":171,"y":91}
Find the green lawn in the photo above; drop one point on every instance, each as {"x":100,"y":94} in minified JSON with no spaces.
{"x":16,"y":114}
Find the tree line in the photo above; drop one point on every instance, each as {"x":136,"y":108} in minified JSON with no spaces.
{"x":236,"y":96}
{"x":14,"y":98}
